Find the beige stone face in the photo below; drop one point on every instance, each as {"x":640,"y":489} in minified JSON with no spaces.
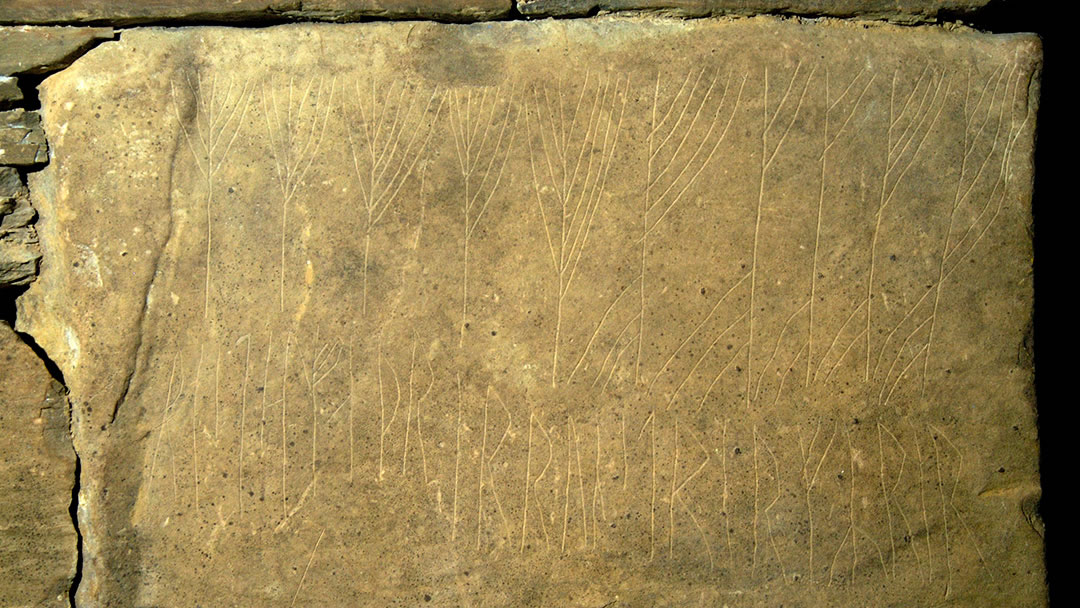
{"x":596,"y":313}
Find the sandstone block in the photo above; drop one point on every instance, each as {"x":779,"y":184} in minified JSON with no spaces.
{"x":901,"y":11}
{"x":19,"y":251}
{"x":625,"y":311}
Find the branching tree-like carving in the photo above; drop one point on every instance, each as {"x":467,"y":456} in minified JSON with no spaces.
{"x":483,"y":133}
{"x":211,"y":130}
{"x":295,"y":132}
{"x":911,"y":120}
{"x":683,"y":136}
{"x":992,"y":123}
{"x":388,"y":132}
{"x":572,"y":141}
{"x":775,"y":129}
{"x":843,"y":107}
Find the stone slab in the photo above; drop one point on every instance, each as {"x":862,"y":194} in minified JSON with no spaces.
{"x":127,"y":12}
{"x":901,"y":11}
{"x":10,"y":93}
{"x":506,"y":314}
{"x":19,"y":250}
{"x":40,"y":50}
{"x":11,"y":186}
{"x":450,"y":10}
{"x":22,"y":142}
{"x":37,"y":473}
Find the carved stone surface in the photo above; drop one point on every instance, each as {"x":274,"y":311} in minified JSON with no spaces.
{"x":40,"y":50}
{"x":37,"y":470}
{"x":505,"y":314}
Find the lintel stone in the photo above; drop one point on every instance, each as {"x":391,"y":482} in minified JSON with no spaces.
{"x":893,"y":10}
{"x":129,"y":12}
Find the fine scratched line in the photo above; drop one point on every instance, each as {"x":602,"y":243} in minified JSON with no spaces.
{"x":712,"y":345}
{"x":693,"y":333}
{"x":308,"y":567}
{"x":243,"y":413}
{"x":599,"y":325}
{"x":716,"y":378}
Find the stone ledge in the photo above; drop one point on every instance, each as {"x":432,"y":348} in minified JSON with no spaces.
{"x":130,"y":12}
{"x":19,"y":249}
{"x":39,"y":50}
{"x":10,"y":93}
{"x":22,"y":142}
{"x":904,"y":11}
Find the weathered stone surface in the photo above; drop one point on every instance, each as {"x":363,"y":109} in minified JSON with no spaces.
{"x":37,"y":473}
{"x":902,"y":10}
{"x":9,"y":91}
{"x":349,"y":10}
{"x":40,"y":50}
{"x":11,"y":185}
{"x":506,"y":314}
{"x":19,"y":250}
{"x":118,"y":12}
{"x":22,"y":142}
{"x":19,"y":257}
{"x":134,"y":11}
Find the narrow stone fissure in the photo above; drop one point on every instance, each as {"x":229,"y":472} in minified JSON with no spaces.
{"x":7,"y":304}
{"x":50,"y":365}
{"x":73,"y":511}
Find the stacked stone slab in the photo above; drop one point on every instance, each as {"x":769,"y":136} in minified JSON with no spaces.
{"x":38,"y":539}
{"x":19,"y":251}
{"x":27,"y":51}
{"x":128,"y":12}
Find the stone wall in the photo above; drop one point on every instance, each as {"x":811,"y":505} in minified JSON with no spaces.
{"x":449,"y":303}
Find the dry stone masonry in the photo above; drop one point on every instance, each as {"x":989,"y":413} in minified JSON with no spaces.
{"x":27,"y":51}
{"x":619,"y":311}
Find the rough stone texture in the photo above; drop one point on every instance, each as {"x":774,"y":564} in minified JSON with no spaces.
{"x":40,"y":50}
{"x":902,"y":10}
{"x":37,"y":472}
{"x":22,"y":142}
{"x":453,"y":10}
{"x":10,"y":92}
{"x":119,"y":12}
{"x":11,"y":186}
{"x":504,"y":314}
{"x":19,"y":250}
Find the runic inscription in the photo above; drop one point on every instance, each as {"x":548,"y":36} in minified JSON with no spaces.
{"x":597,"y":313}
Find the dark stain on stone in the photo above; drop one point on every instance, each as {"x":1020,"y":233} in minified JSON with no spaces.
{"x":451,"y":58}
